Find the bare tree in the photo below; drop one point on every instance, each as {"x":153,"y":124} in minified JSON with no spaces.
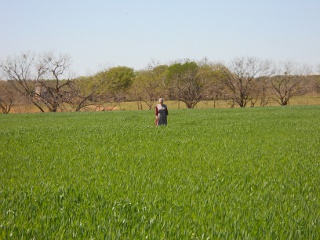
{"x":18,"y":70}
{"x":317,"y":83}
{"x":242,"y":76}
{"x":214,"y":90}
{"x":148,"y":85}
{"x":317,"y":80}
{"x":39,"y":77}
{"x":290,"y":81}
{"x":8,"y":97}
{"x":83,"y":93}
{"x":52,"y":70}
{"x":188,"y":82}
{"x":260,"y":93}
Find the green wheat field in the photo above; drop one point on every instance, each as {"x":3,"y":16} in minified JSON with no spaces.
{"x":250,"y":173}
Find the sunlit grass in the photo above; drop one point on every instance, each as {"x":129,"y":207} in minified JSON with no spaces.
{"x":211,"y":173}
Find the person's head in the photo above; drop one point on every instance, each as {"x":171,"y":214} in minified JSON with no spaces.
{"x":160,"y":100}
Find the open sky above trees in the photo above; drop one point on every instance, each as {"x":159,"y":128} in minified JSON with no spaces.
{"x":100,"y":34}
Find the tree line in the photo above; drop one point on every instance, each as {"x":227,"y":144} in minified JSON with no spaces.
{"x":44,"y":81}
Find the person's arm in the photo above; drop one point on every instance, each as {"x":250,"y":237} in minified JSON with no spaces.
{"x":167,"y":113}
{"x":156,"y":116}
{"x":157,"y":112}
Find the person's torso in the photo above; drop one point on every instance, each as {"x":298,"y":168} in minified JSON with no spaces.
{"x":162,"y":108}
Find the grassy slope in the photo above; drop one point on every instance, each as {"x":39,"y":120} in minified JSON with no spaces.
{"x":224,"y":173}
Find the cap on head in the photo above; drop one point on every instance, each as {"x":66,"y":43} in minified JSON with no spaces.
{"x":160,"y":99}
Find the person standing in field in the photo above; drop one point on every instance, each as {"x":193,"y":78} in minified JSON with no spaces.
{"x":161,"y":113}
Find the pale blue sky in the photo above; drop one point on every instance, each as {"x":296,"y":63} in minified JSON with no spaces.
{"x":106,"y":33}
